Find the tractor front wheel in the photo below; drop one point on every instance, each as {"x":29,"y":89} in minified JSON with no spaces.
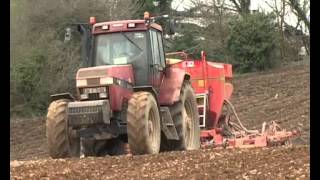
{"x":61,"y":144}
{"x":143,"y":124}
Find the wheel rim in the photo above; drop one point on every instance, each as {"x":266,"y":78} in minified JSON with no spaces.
{"x":188,"y":125}
{"x":152,"y":130}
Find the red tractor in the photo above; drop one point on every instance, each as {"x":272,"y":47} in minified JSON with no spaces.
{"x":127,"y":94}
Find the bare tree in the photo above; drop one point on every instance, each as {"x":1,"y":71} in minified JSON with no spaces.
{"x":281,"y":8}
{"x":300,"y":11}
{"x":280,"y":17}
{"x":242,"y":6}
{"x":213,"y":17}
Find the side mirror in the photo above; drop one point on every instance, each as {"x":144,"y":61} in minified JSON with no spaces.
{"x":67,"y":35}
{"x":172,"y":27}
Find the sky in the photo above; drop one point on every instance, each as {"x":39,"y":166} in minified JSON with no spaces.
{"x":181,"y":5}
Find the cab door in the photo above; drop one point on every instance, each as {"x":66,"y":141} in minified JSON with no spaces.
{"x":158,"y":58}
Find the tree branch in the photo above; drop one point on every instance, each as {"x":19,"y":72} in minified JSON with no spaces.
{"x":237,"y":5}
{"x":302,"y":15}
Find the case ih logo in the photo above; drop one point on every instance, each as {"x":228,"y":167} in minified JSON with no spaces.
{"x":188,"y":64}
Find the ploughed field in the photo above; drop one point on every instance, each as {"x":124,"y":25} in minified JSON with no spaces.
{"x":266,"y":163}
{"x":281,"y":95}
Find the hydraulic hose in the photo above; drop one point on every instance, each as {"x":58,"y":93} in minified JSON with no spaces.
{"x":240,"y":123}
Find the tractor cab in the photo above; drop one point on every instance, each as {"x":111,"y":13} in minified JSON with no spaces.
{"x":137,"y":43}
{"x":134,"y":42}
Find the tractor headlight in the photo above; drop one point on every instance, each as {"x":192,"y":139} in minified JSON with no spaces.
{"x":103,"y":95}
{"x":81,"y":82}
{"x":83,"y":96}
{"x":94,"y":90}
{"x":106,"y":80}
{"x":93,"y":93}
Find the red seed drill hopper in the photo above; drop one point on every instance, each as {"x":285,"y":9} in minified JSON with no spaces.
{"x":219,"y":122}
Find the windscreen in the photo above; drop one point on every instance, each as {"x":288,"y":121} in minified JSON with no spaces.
{"x":119,"y":48}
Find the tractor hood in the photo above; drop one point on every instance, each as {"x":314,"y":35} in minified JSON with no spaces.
{"x":105,"y":75}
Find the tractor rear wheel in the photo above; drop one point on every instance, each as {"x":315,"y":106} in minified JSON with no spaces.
{"x":61,"y":144}
{"x":186,"y":119}
{"x":143,"y":124}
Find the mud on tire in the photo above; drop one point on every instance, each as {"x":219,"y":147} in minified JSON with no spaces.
{"x":186,"y":122}
{"x":143,"y":124}
{"x":60,"y":143}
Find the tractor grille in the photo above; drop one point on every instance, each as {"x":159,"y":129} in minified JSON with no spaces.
{"x":85,"y":116}
{"x":88,"y":112}
{"x":89,"y":109}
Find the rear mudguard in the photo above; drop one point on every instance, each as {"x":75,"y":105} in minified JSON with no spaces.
{"x":171,"y":86}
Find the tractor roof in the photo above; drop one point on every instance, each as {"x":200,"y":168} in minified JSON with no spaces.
{"x":122,"y":26}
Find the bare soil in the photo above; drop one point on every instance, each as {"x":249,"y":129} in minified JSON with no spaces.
{"x":281,"y":95}
{"x":266,"y":163}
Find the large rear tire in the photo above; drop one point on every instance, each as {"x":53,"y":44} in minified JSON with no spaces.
{"x":186,"y":119}
{"x":143,"y":124}
{"x":61,"y":144}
